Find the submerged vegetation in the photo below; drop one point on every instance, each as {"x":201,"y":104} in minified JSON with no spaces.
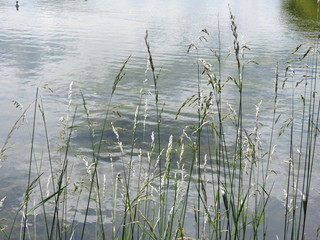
{"x":211,"y":179}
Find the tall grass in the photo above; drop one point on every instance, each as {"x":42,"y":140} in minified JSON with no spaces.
{"x":212,"y":181}
{"x":301,"y":161}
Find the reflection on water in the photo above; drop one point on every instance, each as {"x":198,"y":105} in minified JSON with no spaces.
{"x":305,"y":9}
{"x":56,"y":42}
{"x":303,"y":14}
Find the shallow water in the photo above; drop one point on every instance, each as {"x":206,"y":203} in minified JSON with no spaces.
{"x":48,"y":44}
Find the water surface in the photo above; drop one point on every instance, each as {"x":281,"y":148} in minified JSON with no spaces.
{"x":49,"y":44}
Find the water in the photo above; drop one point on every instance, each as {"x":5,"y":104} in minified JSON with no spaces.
{"x":48,"y":44}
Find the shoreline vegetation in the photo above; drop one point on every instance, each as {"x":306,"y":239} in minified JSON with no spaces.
{"x":212,"y":181}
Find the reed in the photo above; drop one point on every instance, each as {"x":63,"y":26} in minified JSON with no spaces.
{"x":211,"y":179}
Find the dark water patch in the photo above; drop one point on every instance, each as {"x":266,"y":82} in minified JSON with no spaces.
{"x":303,"y":16}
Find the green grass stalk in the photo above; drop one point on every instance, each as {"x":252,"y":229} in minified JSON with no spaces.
{"x":30,"y":166}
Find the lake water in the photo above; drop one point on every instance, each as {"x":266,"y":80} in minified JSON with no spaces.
{"x":49,"y":44}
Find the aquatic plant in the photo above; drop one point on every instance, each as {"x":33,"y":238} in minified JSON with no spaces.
{"x":216,"y":170}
